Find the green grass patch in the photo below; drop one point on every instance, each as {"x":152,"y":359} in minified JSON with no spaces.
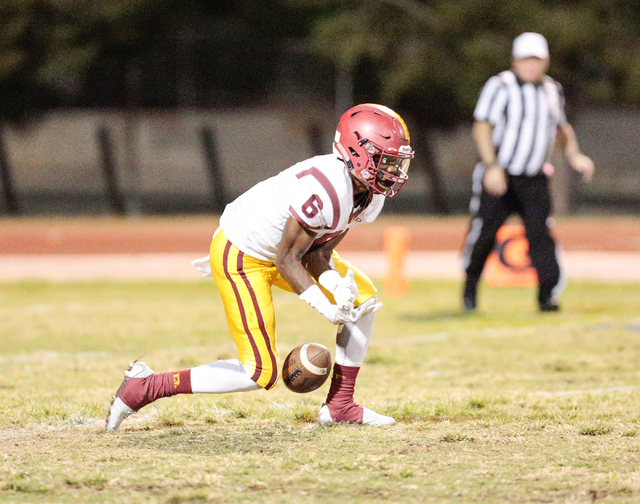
{"x":504,"y":405}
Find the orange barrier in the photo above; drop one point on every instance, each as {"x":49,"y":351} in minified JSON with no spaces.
{"x":509,"y":265}
{"x":396,"y":246}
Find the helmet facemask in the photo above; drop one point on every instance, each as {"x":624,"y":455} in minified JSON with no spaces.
{"x":387,"y":171}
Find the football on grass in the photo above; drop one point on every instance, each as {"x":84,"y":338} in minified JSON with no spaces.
{"x":306,"y":367}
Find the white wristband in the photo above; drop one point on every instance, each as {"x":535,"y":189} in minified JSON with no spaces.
{"x":317,"y":300}
{"x":329,"y":280}
{"x":314,"y":297}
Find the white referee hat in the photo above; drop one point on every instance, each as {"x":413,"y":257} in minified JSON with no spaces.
{"x":530,"y":44}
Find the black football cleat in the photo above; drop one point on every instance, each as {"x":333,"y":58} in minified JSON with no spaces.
{"x":549,"y":306}
{"x":469,"y":304}
{"x":469,"y":298}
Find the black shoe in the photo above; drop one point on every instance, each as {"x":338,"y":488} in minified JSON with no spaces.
{"x":469,"y":303}
{"x":469,"y":298}
{"x":549,"y":307}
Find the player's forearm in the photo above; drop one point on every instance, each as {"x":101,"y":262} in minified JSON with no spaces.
{"x":482,"y":132}
{"x":318,"y":260}
{"x":316,"y":263}
{"x":294,"y":273}
{"x":296,"y":242}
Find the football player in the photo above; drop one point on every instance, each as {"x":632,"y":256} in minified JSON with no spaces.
{"x":282,"y":232}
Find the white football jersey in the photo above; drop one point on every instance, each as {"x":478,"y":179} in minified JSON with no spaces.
{"x":317,"y":192}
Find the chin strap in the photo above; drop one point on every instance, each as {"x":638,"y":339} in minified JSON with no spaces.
{"x":344,"y":156}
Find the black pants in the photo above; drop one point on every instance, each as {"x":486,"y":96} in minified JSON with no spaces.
{"x":529,"y":197}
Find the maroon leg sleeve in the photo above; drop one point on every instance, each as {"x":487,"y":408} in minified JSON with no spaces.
{"x":138,"y":392}
{"x":340,"y":399}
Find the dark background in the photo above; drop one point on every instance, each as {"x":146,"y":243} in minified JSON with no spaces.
{"x":426,"y":59}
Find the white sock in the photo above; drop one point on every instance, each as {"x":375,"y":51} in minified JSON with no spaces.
{"x":221,"y":377}
{"x":353,"y":341}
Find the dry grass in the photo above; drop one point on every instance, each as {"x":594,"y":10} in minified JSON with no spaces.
{"x":503,"y":406}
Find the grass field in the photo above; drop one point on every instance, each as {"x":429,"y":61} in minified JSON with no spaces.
{"x":506,"y":405}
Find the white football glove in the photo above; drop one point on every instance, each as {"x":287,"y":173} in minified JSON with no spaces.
{"x":333,"y":313}
{"x":344,"y":289}
{"x":337,"y":316}
{"x":370,"y":306}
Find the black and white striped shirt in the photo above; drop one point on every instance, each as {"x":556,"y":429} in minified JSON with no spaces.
{"x":524,"y":117}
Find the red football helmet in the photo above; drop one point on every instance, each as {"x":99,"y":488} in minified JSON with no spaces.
{"x":373,"y":141}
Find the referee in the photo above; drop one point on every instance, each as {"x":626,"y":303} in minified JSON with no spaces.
{"x":518,"y":117}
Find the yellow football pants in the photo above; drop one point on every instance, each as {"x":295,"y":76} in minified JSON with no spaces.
{"x":245,"y":286}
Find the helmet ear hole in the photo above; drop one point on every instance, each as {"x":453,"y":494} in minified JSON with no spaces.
{"x":353,"y":152}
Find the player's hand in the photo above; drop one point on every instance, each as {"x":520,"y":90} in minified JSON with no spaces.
{"x":583,"y":165}
{"x":337,"y":316}
{"x":370,"y":306}
{"x":346,"y":291}
{"x":333,"y":313}
{"x":495,"y":180}
{"x":319,"y":302}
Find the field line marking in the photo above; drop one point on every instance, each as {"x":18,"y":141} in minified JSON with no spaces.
{"x":600,"y":390}
{"x":499,"y":332}
{"x":51,"y":355}
{"x":431,"y":264}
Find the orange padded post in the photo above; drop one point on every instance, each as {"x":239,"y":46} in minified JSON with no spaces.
{"x":509,"y":265}
{"x":396,"y":246}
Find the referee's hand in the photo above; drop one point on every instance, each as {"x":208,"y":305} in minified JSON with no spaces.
{"x":495,"y":180}
{"x":583,"y":165}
